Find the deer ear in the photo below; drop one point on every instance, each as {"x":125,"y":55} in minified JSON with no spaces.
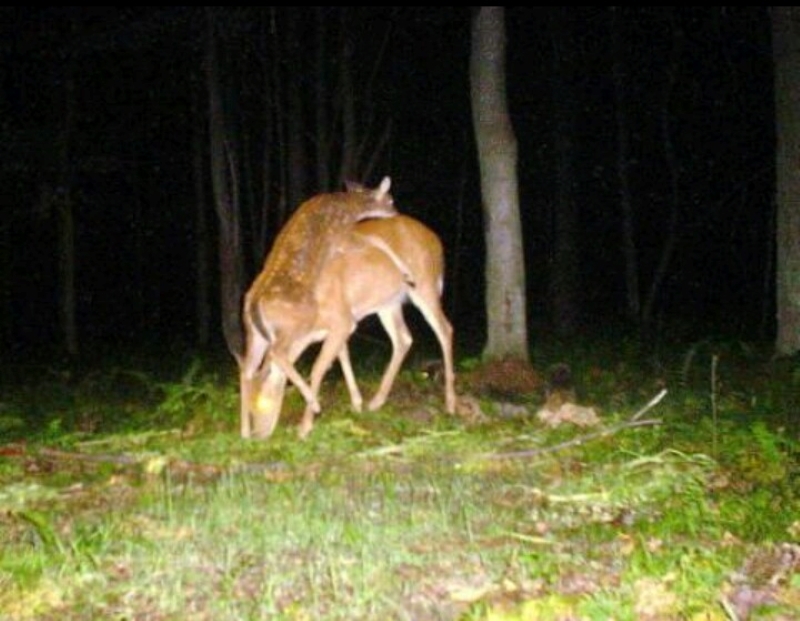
{"x":353,"y":186}
{"x":383,"y":188}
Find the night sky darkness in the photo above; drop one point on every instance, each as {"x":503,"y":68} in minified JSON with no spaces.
{"x":131,"y":152}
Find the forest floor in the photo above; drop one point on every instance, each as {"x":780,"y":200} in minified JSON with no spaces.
{"x":599,"y":487}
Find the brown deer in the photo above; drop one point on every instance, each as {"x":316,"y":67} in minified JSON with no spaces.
{"x":375,"y":268}
{"x":280,"y":308}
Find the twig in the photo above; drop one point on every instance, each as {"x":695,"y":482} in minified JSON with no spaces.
{"x":574,"y":441}
{"x":730,"y":611}
{"x":651,"y":404}
{"x":577,"y":441}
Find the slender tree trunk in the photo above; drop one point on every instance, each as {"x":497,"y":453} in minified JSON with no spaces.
{"x":564,"y":278}
{"x":260,"y":218}
{"x":321,"y":96}
{"x":261,"y":215}
{"x":296,"y":125}
{"x":6,"y":310}
{"x":351,"y":125}
{"x":372,"y":145}
{"x":223,"y":178}
{"x":66,"y":219}
{"x":673,"y":170}
{"x":633,"y":304}
{"x":497,"y":154}
{"x":276,"y":87}
{"x":347,"y":90}
{"x":66,"y":255}
{"x":786,"y":51}
{"x":142,"y":303}
{"x":202,"y":263}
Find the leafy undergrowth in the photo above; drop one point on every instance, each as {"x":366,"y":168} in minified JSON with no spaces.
{"x":122,"y":497}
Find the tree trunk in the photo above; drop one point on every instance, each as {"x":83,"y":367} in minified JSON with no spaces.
{"x":223,"y":178}
{"x":347,"y":170}
{"x":673,"y":169}
{"x":6,"y":308}
{"x":267,"y":212}
{"x":497,"y":155}
{"x":564,"y":277}
{"x":321,"y":96}
{"x":297,"y":182}
{"x":66,"y":260}
{"x":786,"y":51}
{"x":66,"y":219}
{"x":202,"y":263}
{"x":633,"y":304}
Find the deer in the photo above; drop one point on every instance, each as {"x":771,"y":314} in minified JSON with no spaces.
{"x":375,"y":268}
{"x":280,"y":308}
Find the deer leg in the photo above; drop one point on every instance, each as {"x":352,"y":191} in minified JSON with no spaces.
{"x":268,"y":400}
{"x":428,"y":301}
{"x":356,"y":400}
{"x":331,"y":348}
{"x":245,"y":388}
{"x":249,"y":370}
{"x":308,"y":393}
{"x":399,"y":334}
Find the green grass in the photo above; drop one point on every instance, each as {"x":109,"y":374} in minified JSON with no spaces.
{"x":127,"y":496}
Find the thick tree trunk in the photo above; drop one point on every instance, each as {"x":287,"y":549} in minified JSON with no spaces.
{"x":497,"y":154}
{"x":786,"y":51}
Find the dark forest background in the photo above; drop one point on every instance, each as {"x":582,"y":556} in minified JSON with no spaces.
{"x":105,"y":110}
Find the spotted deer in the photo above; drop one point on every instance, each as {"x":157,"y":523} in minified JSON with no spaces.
{"x":371,"y":267}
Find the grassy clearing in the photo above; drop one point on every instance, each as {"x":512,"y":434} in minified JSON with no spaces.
{"x":122,"y":497}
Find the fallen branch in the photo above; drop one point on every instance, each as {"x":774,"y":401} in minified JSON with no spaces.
{"x":150,"y":463}
{"x":102,"y":458}
{"x":577,"y":441}
{"x":650,"y":405}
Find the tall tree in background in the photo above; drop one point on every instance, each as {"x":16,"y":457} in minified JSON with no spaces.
{"x":564,"y":275}
{"x":202,"y":255}
{"x":224,"y":174}
{"x":6,"y":309}
{"x":275,"y":137}
{"x":62,"y":203}
{"x":297,"y":180}
{"x":641,"y":296}
{"x":633,"y":302}
{"x":786,"y":52}
{"x":507,"y":333}
{"x":673,"y":170}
